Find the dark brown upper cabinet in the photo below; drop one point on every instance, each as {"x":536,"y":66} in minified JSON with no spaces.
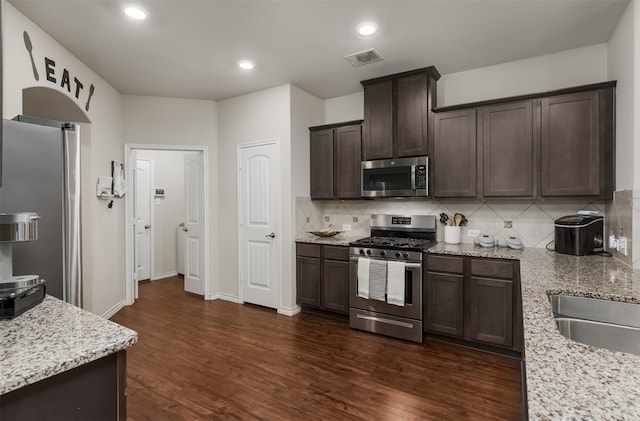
{"x":454,"y":154}
{"x":555,"y":144}
{"x":577,"y":144}
{"x":397,"y":110}
{"x":336,"y":154}
{"x":508,"y":150}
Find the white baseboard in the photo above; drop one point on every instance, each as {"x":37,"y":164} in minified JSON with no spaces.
{"x":113,"y":310}
{"x":164,"y":276}
{"x":225,"y":297}
{"x":289,"y":311}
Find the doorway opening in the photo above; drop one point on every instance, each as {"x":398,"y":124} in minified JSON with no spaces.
{"x":166,"y":216}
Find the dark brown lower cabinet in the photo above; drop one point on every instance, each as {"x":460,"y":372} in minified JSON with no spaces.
{"x":322,"y":277}
{"x":445,"y":303}
{"x":491,"y":311}
{"x":474,"y":299}
{"x":92,"y":391}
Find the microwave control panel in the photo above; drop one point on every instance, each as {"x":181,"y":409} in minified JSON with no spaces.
{"x":421,"y":177}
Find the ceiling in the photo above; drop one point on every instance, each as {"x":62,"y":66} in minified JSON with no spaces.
{"x":189,"y":48}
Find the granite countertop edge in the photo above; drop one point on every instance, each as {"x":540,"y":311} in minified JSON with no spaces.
{"x":54,"y":337}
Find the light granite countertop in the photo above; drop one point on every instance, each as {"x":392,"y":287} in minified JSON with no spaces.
{"x":565,"y":379}
{"x":54,"y":337}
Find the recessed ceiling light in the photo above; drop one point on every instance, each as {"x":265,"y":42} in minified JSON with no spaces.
{"x":367,"y":29}
{"x":135,"y":12}
{"x":246,"y":64}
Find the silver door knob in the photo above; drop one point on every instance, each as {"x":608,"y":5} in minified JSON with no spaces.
{"x":185,"y":229}
{"x":272,"y":235}
{"x":147,"y":227}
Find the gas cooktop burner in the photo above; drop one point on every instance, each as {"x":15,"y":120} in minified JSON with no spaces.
{"x":394,"y":242}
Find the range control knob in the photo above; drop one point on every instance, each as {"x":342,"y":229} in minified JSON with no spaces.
{"x":361,"y":251}
{"x":383,"y":253}
{"x":397,"y":254}
{"x":405,"y":255}
{"x":369,"y":252}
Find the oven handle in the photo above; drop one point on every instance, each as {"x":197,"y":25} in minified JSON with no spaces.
{"x":407,"y":265}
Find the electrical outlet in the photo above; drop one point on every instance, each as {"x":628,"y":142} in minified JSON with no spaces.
{"x":346,"y":227}
{"x":473,"y":233}
{"x":508,"y":224}
{"x":622,"y":245}
{"x":355,"y":219}
{"x":326,"y":218}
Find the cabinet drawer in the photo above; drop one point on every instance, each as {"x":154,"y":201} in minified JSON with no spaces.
{"x":445,"y":264}
{"x":336,"y":253}
{"x":492,"y":268}
{"x":308,"y":250}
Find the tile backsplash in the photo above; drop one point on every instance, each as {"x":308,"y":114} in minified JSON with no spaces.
{"x":531,"y":220}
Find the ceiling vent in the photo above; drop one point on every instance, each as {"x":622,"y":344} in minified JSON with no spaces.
{"x":364,"y":57}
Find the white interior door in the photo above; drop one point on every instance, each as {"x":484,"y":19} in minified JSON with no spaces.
{"x":258,"y":215}
{"x":142,"y":218}
{"x":194,"y":259}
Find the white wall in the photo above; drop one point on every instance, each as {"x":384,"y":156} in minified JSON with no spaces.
{"x":306,"y":111}
{"x":581,"y":66}
{"x":621,"y":66}
{"x":102,"y":237}
{"x":179,"y":122}
{"x":251,"y":118}
{"x":344,"y":108}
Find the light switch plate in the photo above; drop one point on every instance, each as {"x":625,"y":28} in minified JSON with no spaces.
{"x":473,"y":233}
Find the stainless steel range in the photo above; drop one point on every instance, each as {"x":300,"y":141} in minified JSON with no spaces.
{"x":385,"y":275}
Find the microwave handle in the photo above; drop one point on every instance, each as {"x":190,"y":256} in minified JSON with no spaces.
{"x":413,"y":177}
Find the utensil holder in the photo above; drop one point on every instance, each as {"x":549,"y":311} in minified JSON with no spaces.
{"x":452,"y":234}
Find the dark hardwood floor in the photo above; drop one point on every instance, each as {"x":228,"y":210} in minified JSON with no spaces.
{"x":199,"y":359}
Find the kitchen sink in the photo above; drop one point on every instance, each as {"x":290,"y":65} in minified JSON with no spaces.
{"x":602,"y":323}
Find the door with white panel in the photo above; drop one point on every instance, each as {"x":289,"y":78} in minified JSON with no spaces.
{"x":258,"y":217}
{"x":194,"y":258}
{"x":142,"y":218}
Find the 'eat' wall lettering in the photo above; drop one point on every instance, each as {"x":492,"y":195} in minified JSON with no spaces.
{"x":55,"y":76}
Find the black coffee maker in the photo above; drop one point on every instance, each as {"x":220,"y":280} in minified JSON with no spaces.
{"x":579,"y":235}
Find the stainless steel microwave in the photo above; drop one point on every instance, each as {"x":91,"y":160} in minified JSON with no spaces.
{"x":402,"y":177}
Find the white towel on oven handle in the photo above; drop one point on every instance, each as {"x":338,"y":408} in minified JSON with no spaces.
{"x":395,"y":283}
{"x":377,"y":280}
{"x":363,"y":277}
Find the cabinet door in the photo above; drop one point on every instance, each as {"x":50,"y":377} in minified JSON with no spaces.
{"x":321,"y":164}
{"x":508,"y":150}
{"x":377,"y":139}
{"x":444,"y":303}
{"x":308,"y":281}
{"x":335,"y":286}
{"x":348,"y":156}
{"x":491,"y":311}
{"x":454,"y":154}
{"x":412,"y":115}
{"x":570,"y":145}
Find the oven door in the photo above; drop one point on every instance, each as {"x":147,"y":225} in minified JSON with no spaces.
{"x":412,"y":308}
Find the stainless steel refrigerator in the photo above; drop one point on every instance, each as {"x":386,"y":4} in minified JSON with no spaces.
{"x":41,"y":173}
